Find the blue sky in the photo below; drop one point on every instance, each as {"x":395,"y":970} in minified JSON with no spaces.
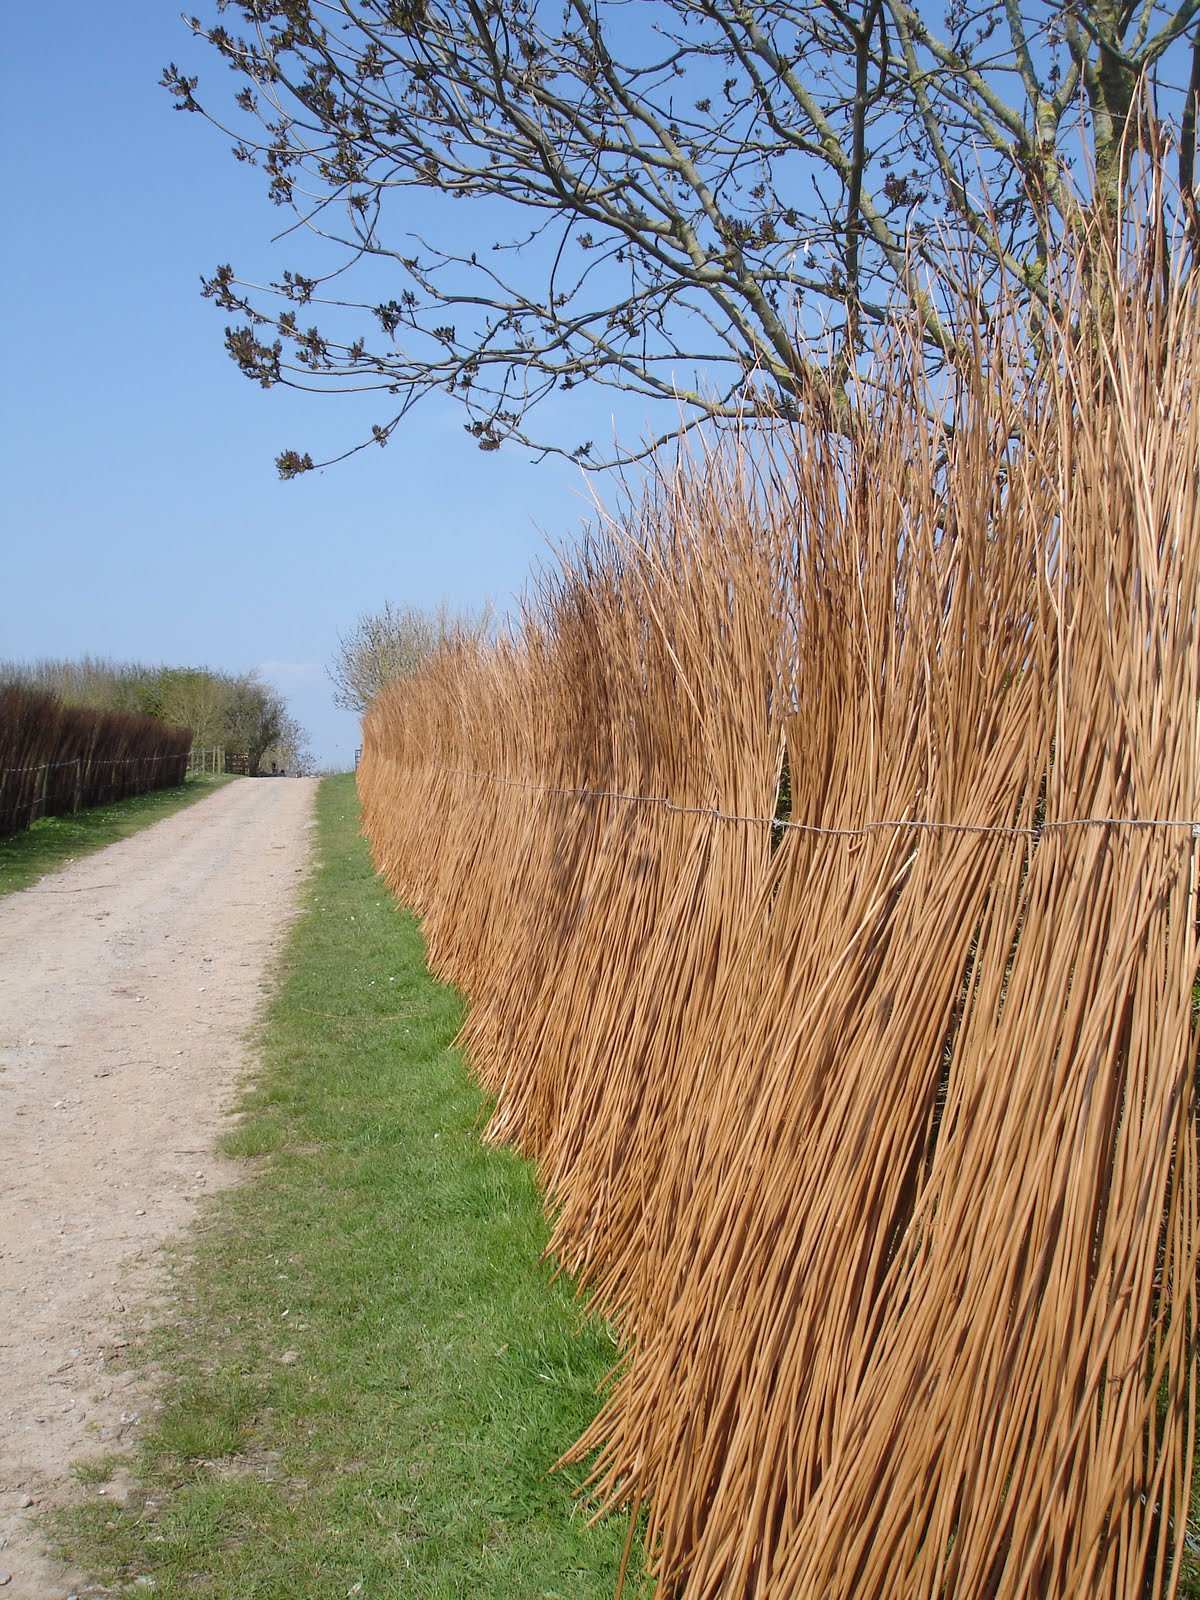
{"x":142,"y":516}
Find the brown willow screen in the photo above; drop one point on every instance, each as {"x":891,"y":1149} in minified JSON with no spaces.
{"x":820,"y":860}
{"x":55,"y":759}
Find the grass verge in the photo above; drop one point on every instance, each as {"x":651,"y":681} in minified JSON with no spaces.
{"x":54,"y":842}
{"x":373,"y":1374}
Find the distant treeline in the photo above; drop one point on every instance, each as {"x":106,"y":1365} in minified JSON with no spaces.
{"x":55,"y":759}
{"x":237,"y":711}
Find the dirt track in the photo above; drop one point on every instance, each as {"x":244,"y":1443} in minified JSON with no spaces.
{"x":127,"y":984}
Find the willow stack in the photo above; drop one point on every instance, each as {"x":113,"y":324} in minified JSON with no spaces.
{"x":819,"y":860}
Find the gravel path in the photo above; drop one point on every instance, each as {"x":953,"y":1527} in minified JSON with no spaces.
{"x":127,"y":984}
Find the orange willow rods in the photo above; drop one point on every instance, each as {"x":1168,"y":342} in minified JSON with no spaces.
{"x":817,"y":859}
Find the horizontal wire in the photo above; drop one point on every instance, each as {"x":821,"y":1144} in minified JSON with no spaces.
{"x":858,"y":831}
{"x":90,"y":761}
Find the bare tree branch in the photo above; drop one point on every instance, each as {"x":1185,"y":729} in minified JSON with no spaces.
{"x":707,"y":202}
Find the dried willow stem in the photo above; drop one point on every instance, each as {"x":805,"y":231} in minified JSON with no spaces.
{"x":882,"y":1150}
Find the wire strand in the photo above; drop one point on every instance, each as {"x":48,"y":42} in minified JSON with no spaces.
{"x":858,"y":831}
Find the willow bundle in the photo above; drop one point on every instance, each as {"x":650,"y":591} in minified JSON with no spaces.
{"x":819,"y":861}
{"x":55,"y":758}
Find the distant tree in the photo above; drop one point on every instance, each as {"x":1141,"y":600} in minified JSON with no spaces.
{"x":140,"y":689}
{"x":254,"y":721}
{"x":196,"y":698}
{"x":290,"y":752}
{"x":389,"y":644}
{"x":92,"y":682}
{"x":708,"y":202}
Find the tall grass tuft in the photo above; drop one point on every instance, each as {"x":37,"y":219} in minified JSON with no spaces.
{"x":872,"y":1123}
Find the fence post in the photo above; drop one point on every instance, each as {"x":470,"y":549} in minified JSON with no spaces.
{"x":77,"y":797}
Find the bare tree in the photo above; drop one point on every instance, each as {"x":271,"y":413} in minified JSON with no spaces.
{"x":707,"y":202}
{"x":389,"y":644}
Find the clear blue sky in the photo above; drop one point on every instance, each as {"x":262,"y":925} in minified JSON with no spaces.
{"x":142,"y":517}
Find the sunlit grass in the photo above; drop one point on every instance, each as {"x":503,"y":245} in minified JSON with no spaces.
{"x":373,"y":1374}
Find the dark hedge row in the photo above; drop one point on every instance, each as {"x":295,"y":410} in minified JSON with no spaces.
{"x":56,"y":759}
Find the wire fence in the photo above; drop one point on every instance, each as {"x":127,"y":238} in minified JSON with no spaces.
{"x":207,"y":759}
{"x":62,"y":788}
{"x":784,"y":824}
{"x":55,"y":759}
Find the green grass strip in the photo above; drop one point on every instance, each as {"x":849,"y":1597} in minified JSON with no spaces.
{"x":54,"y":842}
{"x":373,"y":1375}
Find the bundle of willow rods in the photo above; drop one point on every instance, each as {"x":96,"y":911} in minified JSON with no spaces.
{"x":875,"y":1131}
{"x":56,"y":758}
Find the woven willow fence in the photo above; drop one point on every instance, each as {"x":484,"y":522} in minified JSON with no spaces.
{"x":874,"y":1128}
